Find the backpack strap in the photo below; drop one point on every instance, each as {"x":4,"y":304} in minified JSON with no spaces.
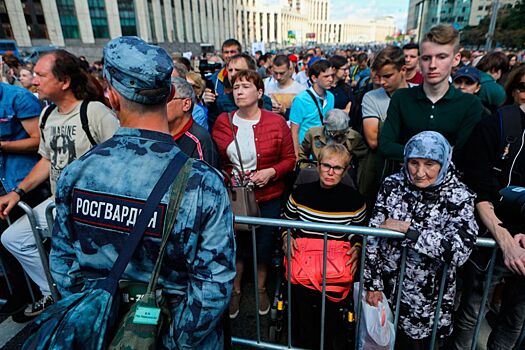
{"x":511,"y":129}
{"x":85,"y":122}
{"x":43,"y":121}
{"x":316,"y":104}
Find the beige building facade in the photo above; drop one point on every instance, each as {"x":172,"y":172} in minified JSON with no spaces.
{"x":181,"y":25}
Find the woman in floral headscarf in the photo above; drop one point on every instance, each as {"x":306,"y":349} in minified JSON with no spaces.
{"x":428,"y":203}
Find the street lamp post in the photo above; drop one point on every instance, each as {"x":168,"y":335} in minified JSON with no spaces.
{"x":492,"y":25}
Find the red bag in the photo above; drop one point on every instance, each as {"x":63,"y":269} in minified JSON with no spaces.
{"x":307,"y":266}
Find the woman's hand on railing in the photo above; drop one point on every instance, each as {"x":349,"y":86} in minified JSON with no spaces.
{"x":354,"y":255}
{"x":373,"y":297}
{"x":285,"y":245}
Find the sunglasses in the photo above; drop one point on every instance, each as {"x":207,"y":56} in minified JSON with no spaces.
{"x":336,"y":133}
{"x":520,"y":86}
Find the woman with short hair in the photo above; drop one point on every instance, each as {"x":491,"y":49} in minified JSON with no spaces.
{"x":327,"y":201}
{"x":266,"y":155}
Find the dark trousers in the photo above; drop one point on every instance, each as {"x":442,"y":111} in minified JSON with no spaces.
{"x":512,"y":312}
{"x":306,"y":321}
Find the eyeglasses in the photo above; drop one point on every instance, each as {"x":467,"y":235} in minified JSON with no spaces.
{"x":521,"y":86}
{"x":337,"y":169}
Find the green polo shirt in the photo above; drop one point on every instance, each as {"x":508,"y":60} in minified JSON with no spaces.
{"x":411,"y":112}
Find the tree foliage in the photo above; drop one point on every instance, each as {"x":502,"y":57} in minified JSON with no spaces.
{"x":510,"y":28}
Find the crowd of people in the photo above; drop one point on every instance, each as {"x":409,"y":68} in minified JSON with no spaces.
{"x":417,"y":139}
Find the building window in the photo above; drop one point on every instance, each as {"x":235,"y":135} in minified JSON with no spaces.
{"x":34,"y":15}
{"x":6,"y":32}
{"x":68,"y":19}
{"x":164,"y":30}
{"x":487,"y":8}
{"x":99,"y":20}
{"x":152,"y":22}
{"x":128,"y":20}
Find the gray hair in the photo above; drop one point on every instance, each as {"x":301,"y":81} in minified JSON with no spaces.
{"x":183,"y":89}
{"x":336,"y":119}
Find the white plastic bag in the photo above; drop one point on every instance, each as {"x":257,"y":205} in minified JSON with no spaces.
{"x":376,"y":327}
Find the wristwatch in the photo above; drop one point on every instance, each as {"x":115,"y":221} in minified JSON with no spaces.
{"x":19,"y":191}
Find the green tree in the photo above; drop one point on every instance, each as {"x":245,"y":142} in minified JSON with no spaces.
{"x":510,"y":28}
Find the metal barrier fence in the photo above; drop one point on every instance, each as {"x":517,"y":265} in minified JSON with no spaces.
{"x":363,"y":231}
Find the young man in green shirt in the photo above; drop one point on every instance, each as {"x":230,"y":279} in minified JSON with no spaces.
{"x":435,"y":105}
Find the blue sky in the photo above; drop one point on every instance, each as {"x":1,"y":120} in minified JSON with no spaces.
{"x":347,"y":9}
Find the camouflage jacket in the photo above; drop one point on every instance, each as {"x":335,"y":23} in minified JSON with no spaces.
{"x":98,"y":197}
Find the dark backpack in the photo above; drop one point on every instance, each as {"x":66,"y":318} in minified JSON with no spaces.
{"x":83,"y":120}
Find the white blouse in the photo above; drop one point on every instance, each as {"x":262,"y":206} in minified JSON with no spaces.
{"x":246,"y":140}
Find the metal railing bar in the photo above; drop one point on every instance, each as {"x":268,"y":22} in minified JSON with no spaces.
{"x":323,"y":293}
{"x":289,"y":286}
{"x":256,"y":283}
{"x":360,"y":295}
{"x":50,"y":217}
{"x":438,"y":306}
{"x":366,"y":231}
{"x":399,"y":289}
{"x":481,"y":314}
{"x":261,"y":345}
{"x":40,"y":247}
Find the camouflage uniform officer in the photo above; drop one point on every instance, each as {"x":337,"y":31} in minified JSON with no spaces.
{"x":97,"y":205}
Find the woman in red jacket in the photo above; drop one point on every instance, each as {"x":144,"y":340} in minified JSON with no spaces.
{"x":267,"y":155}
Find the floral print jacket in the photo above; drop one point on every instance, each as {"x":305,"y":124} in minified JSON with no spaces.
{"x":442,"y":230}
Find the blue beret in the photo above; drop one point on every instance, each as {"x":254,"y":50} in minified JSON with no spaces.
{"x":140,"y":72}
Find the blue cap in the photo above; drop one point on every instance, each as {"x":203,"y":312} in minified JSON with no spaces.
{"x":469,"y":72}
{"x":313,"y":60}
{"x":140,"y":72}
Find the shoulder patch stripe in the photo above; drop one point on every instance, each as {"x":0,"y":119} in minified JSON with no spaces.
{"x":115,"y":212}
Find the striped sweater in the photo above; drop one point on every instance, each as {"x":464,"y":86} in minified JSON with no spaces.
{"x":339,"y":205}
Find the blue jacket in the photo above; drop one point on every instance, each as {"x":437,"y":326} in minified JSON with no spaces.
{"x":98,"y":197}
{"x":16,"y":104}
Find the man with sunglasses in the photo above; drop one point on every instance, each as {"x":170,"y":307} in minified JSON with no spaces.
{"x":335,"y":129}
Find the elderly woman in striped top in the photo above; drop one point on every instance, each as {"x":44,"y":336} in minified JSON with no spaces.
{"x":326,"y":201}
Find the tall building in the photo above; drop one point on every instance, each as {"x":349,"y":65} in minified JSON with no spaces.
{"x":300,"y":22}
{"x":482,"y":8}
{"x":424,"y":14}
{"x":84,"y":26}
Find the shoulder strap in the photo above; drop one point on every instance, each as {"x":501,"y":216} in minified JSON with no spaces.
{"x":230,"y":119}
{"x":177,"y":192}
{"x":170,"y":173}
{"x":85,"y":122}
{"x":316,"y":104}
{"x":43,"y":121}
{"x":511,"y":129}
